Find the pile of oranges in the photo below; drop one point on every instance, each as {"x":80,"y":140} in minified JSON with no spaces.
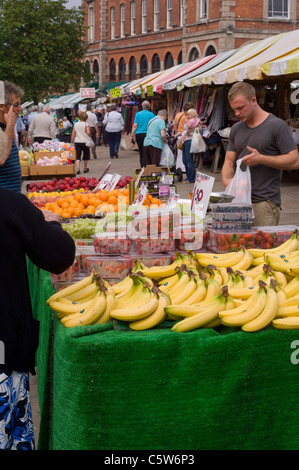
{"x":80,"y":203}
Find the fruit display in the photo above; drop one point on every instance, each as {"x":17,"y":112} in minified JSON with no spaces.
{"x":196,"y":290}
{"x":62,"y":185}
{"x":271,"y":237}
{"x":191,"y":238}
{"x":109,"y":243}
{"x":155,"y":221}
{"x":158,"y":259}
{"x":80,"y":228}
{"x":163,"y":242}
{"x":123,"y":182}
{"x":226,"y":241}
{"x":113,"y":267}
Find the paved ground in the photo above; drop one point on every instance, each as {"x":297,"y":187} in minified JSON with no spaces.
{"x":125,"y":165}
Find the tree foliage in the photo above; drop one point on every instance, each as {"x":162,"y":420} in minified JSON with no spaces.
{"x":42,"y":46}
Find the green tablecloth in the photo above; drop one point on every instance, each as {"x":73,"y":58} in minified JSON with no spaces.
{"x":115,"y":389}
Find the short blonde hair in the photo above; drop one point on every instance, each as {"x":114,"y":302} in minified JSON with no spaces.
{"x":82,"y":115}
{"x":192,"y":112}
{"x":241,"y":88}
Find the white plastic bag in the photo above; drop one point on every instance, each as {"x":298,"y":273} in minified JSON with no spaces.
{"x":240,"y":185}
{"x":123,"y":144}
{"x":89,"y":142}
{"x":167,"y":157}
{"x":197,"y":143}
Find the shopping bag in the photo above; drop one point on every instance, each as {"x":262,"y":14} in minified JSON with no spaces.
{"x":240,"y":185}
{"x":167,"y":157}
{"x":89,"y":142}
{"x":179,"y":144}
{"x":123,"y":144}
{"x":197,"y":143}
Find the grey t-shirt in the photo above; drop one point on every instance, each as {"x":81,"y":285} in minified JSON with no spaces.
{"x":272,"y":137}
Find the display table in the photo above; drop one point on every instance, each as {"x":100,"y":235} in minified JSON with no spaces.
{"x":107,"y":387}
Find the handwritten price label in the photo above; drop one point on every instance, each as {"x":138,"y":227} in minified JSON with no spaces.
{"x":140,"y":196}
{"x":104,"y":181}
{"x":113,"y":182}
{"x":201,"y":193}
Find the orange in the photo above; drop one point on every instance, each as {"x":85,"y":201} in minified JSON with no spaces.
{"x":112,"y":200}
{"x":103,"y":195}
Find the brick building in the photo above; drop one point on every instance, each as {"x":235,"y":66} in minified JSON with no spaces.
{"x":129,"y":39}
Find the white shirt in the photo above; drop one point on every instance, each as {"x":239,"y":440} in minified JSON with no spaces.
{"x":113,"y":121}
{"x":43,"y":125}
{"x":80,"y":133}
{"x":92,"y":120}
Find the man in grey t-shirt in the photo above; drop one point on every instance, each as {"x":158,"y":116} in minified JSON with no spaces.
{"x":266,"y":145}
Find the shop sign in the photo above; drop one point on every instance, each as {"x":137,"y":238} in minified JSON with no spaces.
{"x":87,"y":93}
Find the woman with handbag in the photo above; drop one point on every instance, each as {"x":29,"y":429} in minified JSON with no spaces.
{"x":80,"y":135}
{"x":191,"y":124}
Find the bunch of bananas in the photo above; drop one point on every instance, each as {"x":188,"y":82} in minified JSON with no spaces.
{"x":87,"y":302}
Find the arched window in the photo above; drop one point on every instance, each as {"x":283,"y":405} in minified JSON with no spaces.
{"x":87,"y":66}
{"x":180,"y":58}
{"x":210,"y":51}
{"x":95,"y":70}
{"x":168,"y":61}
{"x":143,"y":66}
{"x":112,"y":22}
{"x":122,"y":69}
{"x":132,"y":68}
{"x":112,"y":70}
{"x":156,"y":63}
{"x":194,"y":54}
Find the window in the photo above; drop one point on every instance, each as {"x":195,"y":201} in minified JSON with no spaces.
{"x":194,"y":54}
{"x":122,"y":69}
{"x":91,"y":24}
{"x":132,"y":68}
{"x":156,"y":15}
{"x":112,"y":22}
{"x":168,"y":61}
{"x":203,"y":9}
{"x":278,"y":9}
{"x":95,"y":70}
{"x":122,"y":20}
{"x":169,"y":13}
{"x":144,"y":15}
{"x":133,"y":15}
{"x":112,"y":70}
{"x":181,"y":12}
{"x":143,"y":66}
{"x":155,"y":63}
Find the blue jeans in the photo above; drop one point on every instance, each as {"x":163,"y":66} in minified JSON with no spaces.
{"x":114,"y":142}
{"x":188,"y":161}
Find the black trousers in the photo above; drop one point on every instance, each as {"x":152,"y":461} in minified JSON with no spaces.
{"x":139,"y":140}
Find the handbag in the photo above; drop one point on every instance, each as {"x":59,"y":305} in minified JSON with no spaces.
{"x":240,"y":185}
{"x":179,"y":144}
{"x":197,"y":143}
{"x":167,"y":157}
{"x":89,"y":142}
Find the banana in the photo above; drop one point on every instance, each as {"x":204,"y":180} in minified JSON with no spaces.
{"x":181,"y":284}
{"x":186,"y":310}
{"x":137,"y":313}
{"x":185,"y":293}
{"x":224,"y":275}
{"x":238,"y":280}
{"x":68,"y":308}
{"x":239,"y":308}
{"x":90,"y":315}
{"x":248,"y":281}
{"x":106,"y":317}
{"x":253,"y":272}
{"x":245,"y":262}
{"x":198,"y":295}
{"x":250,"y":313}
{"x":213,"y":323}
{"x":280,"y":278}
{"x":168,"y":282}
{"x":258,"y":261}
{"x":268,"y":313}
{"x":214,"y":273}
{"x":213,"y":288}
{"x":157,"y":317}
{"x":230,"y":278}
{"x":232,"y":259}
{"x":289,"y":311}
{"x":243,"y":293}
{"x":281,"y":264}
{"x":202,"y":318}
{"x":292,"y":288}
{"x":84,"y":293}
{"x":72,"y":288}
{"x":288,"y":246}
{"x":160,"y":272}
{"x":288,"y":323}
{"x":123,"y":285}
{"x":142,"y":296}
{"x":290,"y":301}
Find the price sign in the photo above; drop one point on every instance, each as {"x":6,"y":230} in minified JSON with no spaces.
{"x":140,"y":196}
{"x":201,"y":193}
{"x":113,"y":182}
{"x":172,"y":201}
{"x":104,"y":181}
{"x":87,"y":92}
{"x":115,"y":93}
{"x":149,"y":90}
{"x":142,"y":91}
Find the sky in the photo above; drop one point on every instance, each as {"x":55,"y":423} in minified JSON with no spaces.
{"x":73,"y":3}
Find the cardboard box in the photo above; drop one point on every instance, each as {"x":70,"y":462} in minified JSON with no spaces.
{"x":53,"y":170}
{"x":42,"y":154}
{"x":148,"y":170}
{"x":25,"y":171}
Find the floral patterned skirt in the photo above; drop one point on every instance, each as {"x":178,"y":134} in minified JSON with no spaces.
{"x":16,"y":426}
